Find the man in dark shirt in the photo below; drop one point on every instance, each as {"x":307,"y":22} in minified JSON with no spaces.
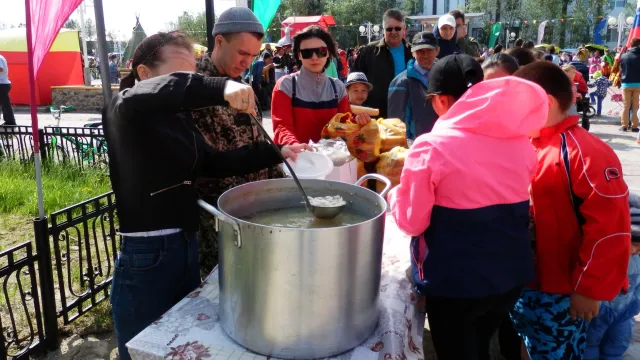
{"x":383,"y":60}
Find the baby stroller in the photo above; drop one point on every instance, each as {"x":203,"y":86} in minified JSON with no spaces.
{"x":616,"y":98}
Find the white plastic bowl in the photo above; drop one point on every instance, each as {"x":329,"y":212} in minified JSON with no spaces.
{"x":310,"y":165}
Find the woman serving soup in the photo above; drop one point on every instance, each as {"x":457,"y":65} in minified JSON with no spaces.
{"x":304,"y":102}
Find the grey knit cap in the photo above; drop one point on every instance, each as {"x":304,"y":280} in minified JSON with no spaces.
{"x":236,"y":20}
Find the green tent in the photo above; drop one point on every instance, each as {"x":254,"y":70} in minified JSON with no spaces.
{"x":136,"y":38}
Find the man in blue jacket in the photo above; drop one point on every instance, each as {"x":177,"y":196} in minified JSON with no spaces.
{"x":406,"y":100}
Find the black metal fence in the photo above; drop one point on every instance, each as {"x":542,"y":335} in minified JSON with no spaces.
{"x":82,"y":146}
{"x":76,"y":251}
{"x":20,"y":317}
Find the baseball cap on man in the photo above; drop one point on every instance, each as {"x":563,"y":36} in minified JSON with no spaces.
{"x":446,"y":19}
{"x":424,"y":40}
{"x":237,"y":20}
{"x":453,"y":75}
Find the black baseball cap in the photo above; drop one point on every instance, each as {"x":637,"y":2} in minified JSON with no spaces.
{"x":424,"y":40}
{"x":453,"y":75}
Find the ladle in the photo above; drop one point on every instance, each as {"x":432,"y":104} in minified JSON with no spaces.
{"x":320,"y":212}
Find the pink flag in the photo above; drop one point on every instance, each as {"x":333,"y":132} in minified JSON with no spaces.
{"x":46,"y":18}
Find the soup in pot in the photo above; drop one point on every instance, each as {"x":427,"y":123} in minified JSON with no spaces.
{"x":299,"y":217}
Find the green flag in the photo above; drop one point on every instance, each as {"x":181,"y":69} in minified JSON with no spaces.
{"x":265,"y":10}
{"x":495,"y":32}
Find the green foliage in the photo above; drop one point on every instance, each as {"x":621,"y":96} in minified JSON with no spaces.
{"x":193,"y":25}
{"x":62,"y":186}
{"x":72,"y":24}
{"x":351,"y":13}
{"x":89,"y":29}
{"x":413,"y":7}
{"x":584,"y":16}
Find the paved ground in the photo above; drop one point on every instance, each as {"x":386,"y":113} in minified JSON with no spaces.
{"x":605,"y":127}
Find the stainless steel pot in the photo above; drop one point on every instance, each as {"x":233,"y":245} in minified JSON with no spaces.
{"x":299,"y":293}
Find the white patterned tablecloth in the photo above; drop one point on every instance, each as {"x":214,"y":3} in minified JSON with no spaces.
{"x":191,"y":329}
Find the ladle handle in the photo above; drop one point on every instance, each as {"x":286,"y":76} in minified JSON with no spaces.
{"x":286,"y":163}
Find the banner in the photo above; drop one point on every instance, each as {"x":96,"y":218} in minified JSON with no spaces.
{"x":46,"y":19}
{"x":265,"y":10}
{"x":541,"y":31}
{"x":597,"y":35}
{"x":495,"y":33}
{"x":635,"y":29}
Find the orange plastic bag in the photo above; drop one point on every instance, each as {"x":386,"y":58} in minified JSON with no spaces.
{"x":363,"y":141}
{"x":390,"y":166}
{"x":393,"y":132}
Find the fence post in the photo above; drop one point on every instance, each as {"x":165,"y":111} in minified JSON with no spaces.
{"x":43,"y":146}
{"x":45,"y":271}
{"x":3,"y":349}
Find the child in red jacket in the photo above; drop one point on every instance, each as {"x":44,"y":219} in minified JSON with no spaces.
{"x":582,"y":227}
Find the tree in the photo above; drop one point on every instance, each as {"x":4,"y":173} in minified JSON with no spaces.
{"x":569,"y":21}
{"x":72,"y":24}
{"x":413,"y":7}
{"x":194,"y":26}
{"x":90,"y":29}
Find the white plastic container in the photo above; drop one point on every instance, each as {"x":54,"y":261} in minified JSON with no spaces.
{"x":310,"y":165}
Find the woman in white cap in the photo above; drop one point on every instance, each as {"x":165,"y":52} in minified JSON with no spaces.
{"x":445,"y":33}
{"x":358,"y":88}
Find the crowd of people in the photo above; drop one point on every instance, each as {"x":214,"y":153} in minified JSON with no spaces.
{"x":544,"y":261}
{"x":519,"y":217}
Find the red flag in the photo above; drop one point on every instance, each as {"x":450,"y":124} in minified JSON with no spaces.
{"x":635,"y":29}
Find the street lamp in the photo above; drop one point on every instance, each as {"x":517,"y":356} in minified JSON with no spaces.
{"x":620,"y":24}
{"x":368,"y":30}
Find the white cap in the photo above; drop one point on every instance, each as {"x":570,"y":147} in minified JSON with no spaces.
{"x":446,"y":19}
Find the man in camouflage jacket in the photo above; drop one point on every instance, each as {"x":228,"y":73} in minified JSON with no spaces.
{"x":225,"y":129}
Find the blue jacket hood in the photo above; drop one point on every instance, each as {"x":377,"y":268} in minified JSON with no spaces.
{"x":447,"y":47}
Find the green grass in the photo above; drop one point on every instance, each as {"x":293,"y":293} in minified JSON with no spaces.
{"x":62,"y":186}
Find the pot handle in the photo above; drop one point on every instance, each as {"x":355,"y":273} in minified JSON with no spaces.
{"x":220,"y":216}
{"x":387,"y":182}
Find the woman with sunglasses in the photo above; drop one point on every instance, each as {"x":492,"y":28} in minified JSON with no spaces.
{"x":304,"y":102}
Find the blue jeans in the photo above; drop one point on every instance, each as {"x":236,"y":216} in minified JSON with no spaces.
{"x":151,"y":275}
{"x":609,"y":334}
{"x":599,"y":104}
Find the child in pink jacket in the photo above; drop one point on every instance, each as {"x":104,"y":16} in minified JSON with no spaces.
{"x":463,"y":194}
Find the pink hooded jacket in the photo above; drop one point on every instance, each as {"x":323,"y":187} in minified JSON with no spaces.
{"x":465,"y":187}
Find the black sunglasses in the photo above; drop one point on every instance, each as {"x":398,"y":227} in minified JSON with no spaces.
{"x":320,"y":52}
{"x":397,"y":29}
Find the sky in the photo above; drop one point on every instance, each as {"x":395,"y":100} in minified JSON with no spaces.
{"x":120,"y":15}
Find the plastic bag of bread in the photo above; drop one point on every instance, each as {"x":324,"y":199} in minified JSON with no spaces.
{"x":390,"y":166}
{"x":363,"y":141}
{"x":393,"y":132}
{"x":361,"y":171}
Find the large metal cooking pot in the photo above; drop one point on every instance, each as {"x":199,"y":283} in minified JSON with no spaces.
{"x":299,"y":293}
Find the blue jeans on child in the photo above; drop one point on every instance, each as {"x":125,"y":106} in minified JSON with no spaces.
{"x":609,"y":334}
{"x":599,"y":105}
{"x":151,"y":275}
{"x":544,"y":323}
